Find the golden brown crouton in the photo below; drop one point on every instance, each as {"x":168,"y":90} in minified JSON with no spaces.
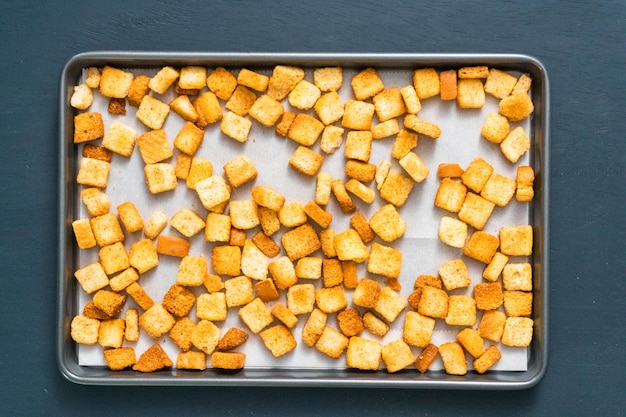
{"x":278,"y":340}
{"x":178,"y":300}
{"x":153,"y":359}
{"x":363,"y":354}
{"x":228,"y":360}
{"x":232,"y":339}
{"x":397,"y":355}
{"x":453,"y":358}
{"x":314,"y":327}
{"x":350,"y":322}
{"x":120,"y":358}
{"x":418,"y":329}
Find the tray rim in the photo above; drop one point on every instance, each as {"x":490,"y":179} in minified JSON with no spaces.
{"x":317,"y":378}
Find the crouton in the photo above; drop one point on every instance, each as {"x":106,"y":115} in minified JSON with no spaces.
{"x":350,"y":322}
{"x":349,"y":246}
{"x":475,"y":211}
{"x":524,"y":179}
{"x":222,"y":83}
{"x":328,"y":78}
{"x":481,"y":246}
{"x":309,"y":267}
{"x":305,"y":129}
{"x":452,"y":231}
{"x":252,"y":79}
{"x":433,"y":302}
{"x":357,"y":115}
{"x":426,"y":358}
{"x":228,"y":360}
{"x":517,"y":276}
{"x":389,"y":304}
{"x":314,"y":327}
{"x":332,"y":138}
{"x":454,"y":274}
{"x":515,"y":144}
{"x":160,"y":177}
{"x":411,"y":100}
{"x":208,"y":108}
{"x":396,"y":188}
{"x":453,"y":358}
{"x":363,"y":354}
{"x":239,"y":292}
{"x":266,"y":110}
{"x":241,"y":101}
{"x":447,"y":85}
{"x":518,"y":303}
{"x":495,"y":128}
{"x":404,"y":143}
{"x":114,"y":82}
{"x":205,"y":336}
{"x":461,"y":310}
{"x":212,"y":307}
{"x":284,"y":314}
{"x":232,"y":339}
{"x":450,"y":195}
{"x":332,"y":343}
{"x":385,"y":129}
{"x":284,"y":78}
{"x":183,"y":106}
{"x":278,"y":340}
{"x":283,"y":272}
{"x":213,"y":191}
{"x":93,"y":172}
{"x":418,"y":329}
{"x":414,"y":166}
{"x":490,"y":357}
{"x":488,"y":295}
{"x":306,"y":161}
{"x":83,"y":233}
{"x":518,"y":331}
{"x":152,"y":112}
{"x":300,"y":242}
{"x":120,"y":139}
{"x":187,"y":222}
{"x":139,"y":295}
{"x":226,"y":260}
{"x":304,"y":95}
{"x":292,"y":214}
{"x":113,"y":258}
{"x":189,"y":138}
{"x":491,"y":325}
{"x":156,"y":321}
{"x":256,"y":315}
{"x":470,"y":93}
{"x":389,"y":104}
{"x":191,"y":360}
{"x":384,"y":260}
{"x":318,"y":214}
{"x":123,"y":279}
{"x":471,"y":342}
{"x":254,"y":263}
{"x":397,"y":355}
{"x":153,"y":359}
{"x":421,"y":126}
{"x":178,"y":300}
{"x":331,"y":299}
{"x":154,"y":146}
{"x":119,"y":358}
{"x":173,"y":246}
{"x":366,"y":84}
{"x":111,"y":333}
{"x":426,"y":82}
{"x":84,"y":330}
{"x":514,"y":240}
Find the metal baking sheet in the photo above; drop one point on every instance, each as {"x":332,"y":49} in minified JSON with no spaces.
{"x":308,"y":367}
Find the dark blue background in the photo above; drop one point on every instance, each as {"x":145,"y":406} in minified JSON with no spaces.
{"x":583,"y":46}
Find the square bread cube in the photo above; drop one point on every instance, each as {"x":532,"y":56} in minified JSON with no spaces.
{"x":454,"y":274}
{"x":350,"y":322}
{"x":284,"y":78}
{"x":163,"y":80}
{"x":213,"y":283}
{"x":191,"y":360}
{"x":222,"y":83}
{"x":363,"y":354}
{"x":327,"y":242}
{"x":305,"y":129}
{"x":498,"y":189}
{"x":212,"y":307}
{"x":332,"y":138}
{"x":93,"y":172}
{"x":418,"y":329}
{"x":470,"y":93}
{"x":384,"y":260}
{"x":199,"y":170}
{"x":358,"y":145}
{"x":414,"y":166}
{"x":491,"y":325}
{"x":93,"y":77}
{"x":192,"y":77}
{"x":421,"y":126}
{"x":309,"y":267}
{"x":389,"y":104}
{"x":493,"y":270}
{"x":396,"y":188}
{"x":522,"y":85}
{"x":332,"y":273}
{"x":477,"y":174}
{"x":490,"y":357}
{"x":366,"y":293}
{"x":366,"y":84}
{"x":518,"y":303}
{"x":282,"y":313}
{"x":283,"y":272}
{"x":452,"y":231}
{"x":143,"y":256}
{"x":328,"y":78}
{"x":111,"y":333}
{"x":84,"y":236}
{"x":375,"y":325}
{"x":329,"y":108}
{"x":178,"y":300}
{"x":173,"y":246}
{"x":266,"y":110}
{"x":120,"y":138}
{"x":235,"y":126}
{"x":304,"y":95}
{"x":426,"y":357}
{"x":254,"y":263}
{"x":213,"y":191}
{"x":232,"y":339}
{"x":300,"y":242}
{"x":241,"y":101}
{"x":278,"y":340}
{"x":189,"y":138}
{"x":357,"y":115}
{"x":525,"y":176}
{"x":476,"y":211}
{"x":433,"y":302}
{"x":495,"y":128}
{"x":183,"y":106}
{"x":518,"y":276}
{"x":268,"y":197}
{"x":114,"y":82}
{"x":314,"y":327}
{"x":450,"y":195}
{"x":256,"y":315}
{"x":240,"y":170}
{"x":113,"y":258}
{"x":515,"y":144}
{"x":182,"y":166}
{"x":499,"y":83}
{"x":140,"y":296}
{"x":411,"y":100}
{"x":389,"y":304}
{"x":387,"y":223}
{"x":119,"y":358}
{"x":92,"y":277}
{"x":243,"y":214}
{"x":226,"y":260}
{"x":269,"y":220}
{"x":332,"y":343}
{"x":266,"y":245}
{"x":205,"y":336}
{"x":453,"y":358}
{"x":426,"y":82}
{"x":152,"y":112}
{"x":130,"y":217}
{"x":449,"y":170}
{"x":518,"y":331}
{"x":96,"y":201}
{"x":138,"y":89}
{"x":331,"y":300}
{"x":341,"y":195}
{"x":292,"y":214}
{"x":301,"y":298}
{"x":385,"y":129}
{"x":349,"y":246}
{"x":181,"y":332}
{"x":514,"y":240}
{"x":306,"y":161}
{"x":350,"y":274}
{"x":156,"y":321}
{"x":154,"y":146}
{"x":239,"y":291}
{"x":397,"y":355}
{"x":97,"y":152}
{"x":447,"y":85}
{"x":153,"y":359}
{"x":471,"y":342}
{"x":362,"y":227}
{"x":253,"y":79}
{"x":106,"y":229}
{"x":187,"y":222}
{"x":488,"y":295}
{"x":208,"y":108}
{"x":318,"y":214}
{"x":461,"y":310}
{"x":481,"y":246}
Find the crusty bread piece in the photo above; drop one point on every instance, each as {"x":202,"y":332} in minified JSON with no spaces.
{"x":362,"y":227}
{"x":498,"y":189}
{"x":114,"y":82}
{"x":475,"y":211}
{"x":414,"y":166}
{"x":418,"y":329}
{"x":140,"y":296}
{"x":375,"y":325}
{"x":208,"y":108}
{"x":309,"y":267}
{"x":314,"y":327}
{"x":153,"y":359}
{"x":117,"y":106}
{"x":306,"y":161}
{"x":106,"y":229}
{"x":450,"y":195}
{"x":366,"y":84}
{"x":426,"y":82}
{"x":300,"y":242}
{"x":156,"y":321}
{"x":433,"y":302}
{"x":212,"y":307}
{"x":213,"y":283}
{"x":270,"y":223}
{"x":181,"y":332}
{"x":327,"y":242}
{"x":332,"y":273}
{"x":240,"y":101}
{"x":226,"y":260}
{"x":389,"y":304}
{"x":138,"y":89}
{"x":160,"y":177}
{"x":524,"y":179}
{"x":265,"y":290}
{"x":83,"y":233}
{"x":426,"y":358}
{"x":481,"y":246}
{"x":152,"y":112}
{"x":329,"y":108}
{"x":411,"y":100}
{"x":278,"y":340}
{"x":265,"y":244}
{"x":205,"y":336}
{"x":471,"y":342}
{"x":120,"y":138}
{"x":404,"y":143}
{"x":96,"y":201}
{"x":284,"y":78}
{"x":477,"y":174}
{"x":490,"y":357}
{"x":232,"y":339}
{"x":254,"y":263}
{"x":187,"y":222}
{"x":470,"y":93}
{"x":488,"y":295}
{"x":292,"y":214}
{"x":84,"y":330}
{"x":349,"y":246}
{"x":397,"y":355}
{"x":320,"y":216}
{"x":461,"y":310}
{"x":304,"y":95}
{"x":305,"y":129}
{"x":191,"y":360}
{"x":172,"y":245}
{"x":332,"y":138}
{"x":358,"y":145}
{"x":178,"y":300}
{"x":256,"y":315}
{"x":518,"y":331}
{"x":328,"y":78}
{"x":192,"y":77}
{"x":283,"y":272}
{"x":518,"y":303}
{"x":515,"y":144}
{"x":213,"y":191}
{"x":366,"y":293}
{"x":113,"y":258}
{"x":495,"y":128}
{"x":453,"y":358}
{"x":239,"y":291}
{"x":350,"y":322}
{"x":491,"y":325}
{"x":479,"y":71}
{"x":448,"y":85}
{"x":522,"y":85}
{"x":385,"y":129}
{"x":182,"y":106}
{"x":357,"y":115}
{"x":130,"y":216}
{"x":123,"y":279}
{"x":228,"y":360}
{"x":282,"y":313}
{"x":517,"y":276}
{"x":389,"y":104}
{"x":92,"y":79}
{"x":243,"y":214}
{"x":120,"y":358}
{"x":396,"y":188}
{"x":363,"y":354}
{"x":143,"y":255}
{"x":222,"y":83}
{"x":93,"y":172}
{"x":217,"y":228}
{"x":499,"y":83}
{"x":452,"y":231}
{"x":235,"y":126}
{"x":454,"y":274}
{"x":253,"y":79}
{"x":111,"y":333}
{"x":154,"y":146}
{"x":387,"y":223}
{"x":332,"y":343}
{"x":384,"y":260}
{"x":331,"y":300}
{"x":163,"y":79}
{"x":266,"y":110}
{"x":516,"y":240}
{"x":189,"y":138}
{"x":421,"y":126}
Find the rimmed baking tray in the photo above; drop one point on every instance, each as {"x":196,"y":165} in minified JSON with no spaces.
{"x":290,"y":373}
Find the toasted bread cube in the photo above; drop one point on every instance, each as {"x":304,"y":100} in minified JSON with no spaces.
{"x":265,"y":244}
{"x":389,"y":104}
{"x":493,"y":270}
{"x":490,"y":357}
{"x":454,"y":274}
{"x":366,"y":293}
{"x":375,"y":325}
{"x":115,"y":82}
{"x":477,"y":174}
{"x":404,"y":143}
{"x":452,"y":231}
{"x":106,"y":229}
{"x":119,"y":358}
{"x":327,"y":241}
{"x":479,"y":71}
{"x":269,"y":220}
{"x":309,"y":267}
{"x":301,"y":298}
{"x":278,"y":340}
{"x":282,"y":127}
{"x":357,"y":115}
{"x":241,"y":101}
{"x":414,"y":166}
{"x":90,"y":310}
{"x":239,"y":291}
{"x":366,"y":84}
{"x":192,"y":77}
{"x":208,"y":108}
{"x":191,"y":360}
{"x":205,"y":336}
{"x":154,"y":146}
{"x":430,"y":280}
{"x":350,"y":322}
{"x":470,"y":93}
{"x":120,"y":139}
{"x":152,"y":112}
{"x":426,"y":358}
{"x":283,"y":314}
{"x":92,"y":78}
{"x":332,"y":273}
{"x":449,"y":171}
{"x":305,"y":129}
{"x":254,"y":263}
{"x":130,"y":217}
{"x":217,"y":228}
{"x":522,"y":85}
{"x":222,"y":83}
{"x":237,"y":237}
{"x":360,"y":224}
{"x":228,"y":360}
{"x":213,"y":191}
{"x":96,"y":201}
{"x":498,"y":189}
{"x":396,"y":188}
{"x":304,"y":95}
{"x":358,"y":145}
{"x":138,"y":89}
{"x":111,"y":333}
{"x":300,"y":242}
{"x":332,"y":343}
{"x":163,"y":80}
{"x":140,"y":296}
{"x":387,"y":223}
{"x":495,"y":128}
{"x":385,"y":129}
{"x":389,"y":304}
{"x":514,"y":240}
{"x":160,"y":177}
{"x":93,"y":172}
{"x":450,"y":195}
{"x":328,"y":78}
{"x":476,"y":211}
{"x":360,"y":190}
{"x":343,"y":198}
{"x":499,"y":83}
{"x":266,"y":110}
{"x":284,"y":78}
{"x":314,"y":327}
{"x":306,"y":161}
{"x":232,"y":339}
{"x":84,"y":330}
{"x":518,"y":303}
{"x":411,"y":100}
{"x":143,"y":256}
{"x":292,"y":214}
{"x":212,"y":307}
{"x":252,"y":79}
{"x":481,"y":246}
{"x":226,"y":260}
{"x":448,"y":85}
{"x":331,"y":299}
{"x":187,"y":222}
{"x":397,"y":355}
{"x":433,"y":302}
{"x":83,"y":233}
{"x":329,"y":108}
{"x":418,"y":329}
{"x":283,"y":272}
{"x":182,"y":106}
{"x":384,"y":260}
{"x":256,"y":315}
{"x":518,"y":331}
{"x":318,"y":214}
{"x":235,"y":126}
{"x":461,"y":310}
{"x":213,"y":283}
{"x":182,"y":166}
{"x":153,"y":359}
{"x":189,"y":138}
{"x":240,"y":170}
{"x":123,"y":279}
{"x":173,"y":246}
{"x":518,"y":276}
{"x":332,"y":138}
{"x":488,"y":295}
{"x":491,"y":325}
{"x":178,"y":300}
{"x":156,"y":321}
{"x":363,"y":354}
{"x":453,"y":358}
{"x":426,"y":82}
{"x":88,"y":126}
{"x":323,"y":188}
{"x":515,"y":144}
{"x":421,"y":126}
{"x":113,"y":258}
{"x":471,"y":342}
{"x":349,"y":246}
{"x":524,"y":183}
